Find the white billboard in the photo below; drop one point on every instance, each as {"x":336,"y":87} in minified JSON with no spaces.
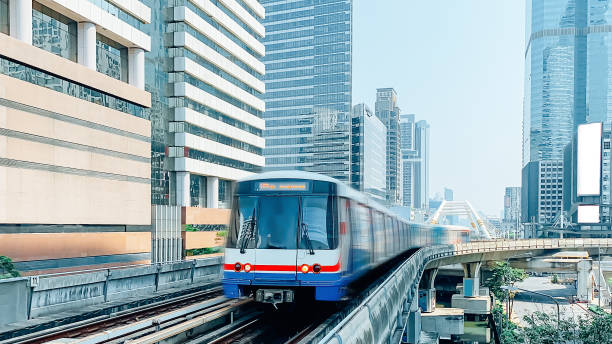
{"x":588,"y":214}
{"x":589,"y":159}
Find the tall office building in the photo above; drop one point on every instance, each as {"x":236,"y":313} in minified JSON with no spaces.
{"x":75,"y":171}
{"x":512,"y":209}
{"x":368,"y":149}
{"x":207,"y":87}
{"x":308,"y":82}
{"x":566,"y":84}
{"x":414,"y":162}
{"x":387,"y":110}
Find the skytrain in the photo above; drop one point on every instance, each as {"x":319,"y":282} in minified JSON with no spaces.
{"x":294,"y":232}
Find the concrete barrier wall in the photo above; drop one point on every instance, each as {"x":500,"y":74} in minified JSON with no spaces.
{"x":23,"y":298}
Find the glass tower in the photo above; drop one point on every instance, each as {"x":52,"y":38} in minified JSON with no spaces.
{"x":369,"y":140}
{"x":568,"y":77}
{"x":308,"y":86}
{"x":387,"y":110}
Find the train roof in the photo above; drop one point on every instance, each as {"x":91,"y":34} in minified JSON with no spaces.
{"x":343,"y":189}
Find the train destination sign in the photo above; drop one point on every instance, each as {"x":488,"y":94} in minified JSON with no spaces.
{"x":283,"y":186}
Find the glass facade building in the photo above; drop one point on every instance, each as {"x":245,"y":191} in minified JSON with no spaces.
{"x":368,"y":149}
{"x":387,"y":110}
{"x":308,"y":86}
{"x":568,"y":77}
{"x":414,"y":162}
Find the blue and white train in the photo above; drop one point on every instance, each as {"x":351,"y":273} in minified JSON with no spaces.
{"x":293,"y":231}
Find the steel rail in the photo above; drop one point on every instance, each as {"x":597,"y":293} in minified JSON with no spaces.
{"x":111,"y":320}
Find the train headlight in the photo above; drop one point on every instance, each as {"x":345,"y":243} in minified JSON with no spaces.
{"x":316,"y":268}
{"x":247,"y":267}
{"x":305,"y":268}
{"x":237,"y":267}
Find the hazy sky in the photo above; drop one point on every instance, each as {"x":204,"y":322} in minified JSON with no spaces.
{"x":458,"y":64}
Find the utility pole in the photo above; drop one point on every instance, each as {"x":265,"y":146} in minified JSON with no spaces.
{"x":599,"y":273}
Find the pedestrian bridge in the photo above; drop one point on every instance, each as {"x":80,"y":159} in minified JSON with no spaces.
{"x":392,"y":311}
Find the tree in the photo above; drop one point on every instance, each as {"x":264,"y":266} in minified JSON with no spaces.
{"x":504,"y":275}
{"x":7,"y":269}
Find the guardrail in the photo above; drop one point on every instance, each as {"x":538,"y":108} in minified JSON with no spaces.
{"x":380,"y":317}
{"x":36,"y":296}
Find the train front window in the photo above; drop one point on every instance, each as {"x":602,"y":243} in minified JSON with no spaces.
{"x":317,"y":222}
{"x":243,"y":223}
{"x":277,"y":222}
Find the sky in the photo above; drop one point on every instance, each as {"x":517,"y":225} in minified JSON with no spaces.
{"x":459,"y":65}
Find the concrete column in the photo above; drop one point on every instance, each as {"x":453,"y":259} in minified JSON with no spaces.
{"x":413,"y":327}
{"x":202,"y":196}
{"x":20,"y":18}
{"x":86,"y":44}
{"x":584,"y":283}
{"x":183,"y":198}
{"x":471,"y":279}
{"x":136,"y":67}
{"x":212,"y":192}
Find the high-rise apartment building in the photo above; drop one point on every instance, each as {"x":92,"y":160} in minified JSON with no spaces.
{"x":369,"y":140}
{"x":387,"y":110}
{"x":414,"y":162}
{"x":308,"y":86}
{"x":207,"y":88}
{"x":75,"y":171}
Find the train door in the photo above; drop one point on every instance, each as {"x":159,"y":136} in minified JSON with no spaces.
{"x":276,"y":238}
{"x":317,"y":235}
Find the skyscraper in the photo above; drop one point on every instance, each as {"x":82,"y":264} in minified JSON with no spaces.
{"x":414,"y":162}
{"x":207,"y":87}
{"x":308,"y":82}
{"x":512,"y":209}
{"x":387,"y":110}
{"x":369,"y":140}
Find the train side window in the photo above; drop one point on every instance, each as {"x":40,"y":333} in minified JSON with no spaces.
{"x":388,"y":235}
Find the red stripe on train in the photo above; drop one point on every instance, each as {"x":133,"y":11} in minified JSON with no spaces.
{"x":285,"y":268}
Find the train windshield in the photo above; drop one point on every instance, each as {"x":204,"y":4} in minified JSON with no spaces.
{"x":272,"y":222}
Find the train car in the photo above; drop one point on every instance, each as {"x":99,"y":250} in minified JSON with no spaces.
{"x":294,"y":231}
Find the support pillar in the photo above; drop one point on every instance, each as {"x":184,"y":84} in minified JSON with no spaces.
{"x":412,"y":334}
{"x":20,"y":20}
{"x":202,"y":195}
{"x":427,"y":291}
{"x":136,"y":67}
{"x":183,"y":198}
{"x":584,"y":282}
{"x":212,"y":191}
{"x":471,"y":279}
{"x":86,"y":42}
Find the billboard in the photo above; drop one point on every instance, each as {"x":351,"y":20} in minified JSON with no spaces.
{"x":588,"y":214}
{"x":589,"y":159}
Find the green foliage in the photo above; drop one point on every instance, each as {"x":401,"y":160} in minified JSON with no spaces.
{"x":190,"y":228}
{"x":503,"y":275}
{"x":7,"y":269}
{"x":205,"y":250}
{"x":597,"y":329}
{"x":555,"y":279}
{"x":222,"y":234}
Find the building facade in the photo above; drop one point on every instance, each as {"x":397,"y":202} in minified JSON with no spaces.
{"x":388,"y":112}
{"x":414,"y":137}
{"x":542,"y":192}
{"x":512,"y":210}
{"x":308,"y":81}
{"x":587,"y":176}
{"x":369,"y":140}
{"x":75,"y":172}
{"x":207,"y":88}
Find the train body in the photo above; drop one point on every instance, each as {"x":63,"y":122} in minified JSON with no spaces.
{"x":292,"y":230}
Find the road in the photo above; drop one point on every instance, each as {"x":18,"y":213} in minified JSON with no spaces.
{"x":527,"y":303}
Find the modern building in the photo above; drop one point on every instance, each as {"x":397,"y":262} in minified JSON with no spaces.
{"x":512,"y":210}
{"x":207,"y":88}
{"x":75,"y":171}
{"x":308,"y":82}
{"x":414,"y":162}
{"x":389,"y":113}
{"x":587,"y":177}
{"x":542,"y":192}
{"x":368,"y":161}
{"x":448,"y":194}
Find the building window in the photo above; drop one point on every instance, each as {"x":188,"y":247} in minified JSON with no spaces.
{"x":111,"y":58}
{"x":54,"y":32}
{"x":225,"y":193}
{"x":4,"y":17}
